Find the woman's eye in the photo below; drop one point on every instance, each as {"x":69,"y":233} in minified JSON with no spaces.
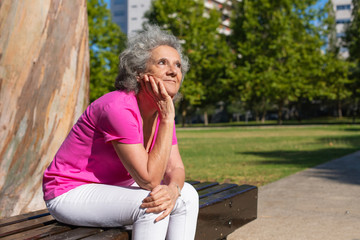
{"x":178,"y":65}
{"x":162,"y":62}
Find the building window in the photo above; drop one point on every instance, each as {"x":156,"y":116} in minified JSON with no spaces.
{"x":121,"y":7}
{"x":121,"y":19}
{"x":118,"y":2}
{"x":343,"y":7}
{"x":134,"y":19}
{"x":134,"y":6}
{"x":119,"y":13}
{"x":343,"y":21}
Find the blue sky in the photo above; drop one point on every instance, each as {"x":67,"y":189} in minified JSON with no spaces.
{"x":321,"y":3}
{"x":108,"y":3}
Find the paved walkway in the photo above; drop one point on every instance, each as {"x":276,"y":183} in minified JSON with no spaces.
{"x":321,"y":203}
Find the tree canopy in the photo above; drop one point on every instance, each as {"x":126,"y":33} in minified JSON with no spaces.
{"x":106,"y":41}
{"x":278,"y":51}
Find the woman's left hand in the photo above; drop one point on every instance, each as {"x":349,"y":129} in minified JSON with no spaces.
{"x":161,"y":199}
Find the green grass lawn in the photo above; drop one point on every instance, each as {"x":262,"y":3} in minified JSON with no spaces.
{"x":260,"y":155}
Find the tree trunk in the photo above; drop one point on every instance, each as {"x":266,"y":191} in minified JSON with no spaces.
{"x":280,"y":109}
{"x":339,"y":109}
{"x":263,"y":116}
{"x":206,"y":119}
{"x":298,"y":111}
{"x":44,"y":82}
{"x":355,"y":110}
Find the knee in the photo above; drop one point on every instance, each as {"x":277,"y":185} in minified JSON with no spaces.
{"x":190,"y":195}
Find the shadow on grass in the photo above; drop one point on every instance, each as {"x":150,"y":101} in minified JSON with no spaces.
{"x":352,"y":129}
{"x":343,"y":168}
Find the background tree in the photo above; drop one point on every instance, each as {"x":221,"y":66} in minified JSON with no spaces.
{"x":278,"y":49}
{"x":352,"y":42}
{"x":352,"y":36}
{"x":335,"y":68}
{"x":106,"y":41}
{"x":209,"y":55}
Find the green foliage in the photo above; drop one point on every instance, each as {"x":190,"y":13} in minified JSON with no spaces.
{"x":337,"y":80}
{"x":106,"y":41}
{"x":209,"y":55}
{"x":279,"y":57}
{"x":276,"y":56}
{"x":336,"y":84}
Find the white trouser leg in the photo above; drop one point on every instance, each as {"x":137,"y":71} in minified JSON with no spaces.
{"x":110,"y":206}
{"x":183,"y":218}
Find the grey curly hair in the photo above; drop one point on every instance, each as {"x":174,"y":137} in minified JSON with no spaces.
{"x":134,"y":58}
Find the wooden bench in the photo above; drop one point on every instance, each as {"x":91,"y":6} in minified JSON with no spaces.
{"x":223,"y":208}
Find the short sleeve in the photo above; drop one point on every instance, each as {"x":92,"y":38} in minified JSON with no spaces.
{"x":120,"y":123}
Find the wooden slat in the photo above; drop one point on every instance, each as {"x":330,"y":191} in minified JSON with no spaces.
{"x":215,"y":189}
{"x":23,"y":217}
{"x":201,"y":186}
{"x":113,"y":234}
{"x":77,"y":233}
{"x":192,"y":182}
{"x":26,"y":225}
{"x":218,"y":197}
{"x":39,"y":232}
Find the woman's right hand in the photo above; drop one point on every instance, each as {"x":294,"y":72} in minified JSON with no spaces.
{"x":157,"y":91}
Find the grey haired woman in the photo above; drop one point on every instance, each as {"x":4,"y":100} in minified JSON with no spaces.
{"x":120,"y":164}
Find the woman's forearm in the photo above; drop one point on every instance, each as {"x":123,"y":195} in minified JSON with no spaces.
{"x":160,"y":154}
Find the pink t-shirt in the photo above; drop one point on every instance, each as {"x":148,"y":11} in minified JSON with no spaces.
{"x":87,"y":155}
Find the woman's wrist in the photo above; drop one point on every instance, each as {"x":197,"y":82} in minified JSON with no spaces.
{"x":176,"y":189}
{"x":167,"y":121}
{"x":167,"y":117}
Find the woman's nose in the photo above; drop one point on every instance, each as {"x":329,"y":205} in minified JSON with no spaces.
{"x":173,"y":70}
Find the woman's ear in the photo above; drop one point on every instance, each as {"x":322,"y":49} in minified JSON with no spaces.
{"x":139,"y":76}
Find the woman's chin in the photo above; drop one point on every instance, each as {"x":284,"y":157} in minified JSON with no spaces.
{"x":172,"y":91}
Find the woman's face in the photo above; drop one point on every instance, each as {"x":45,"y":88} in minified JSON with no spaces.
{"x":165,"y":65}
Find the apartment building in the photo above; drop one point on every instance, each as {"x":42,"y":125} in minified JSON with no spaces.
{"x":129,"y":14}
{"x":342,"y":9}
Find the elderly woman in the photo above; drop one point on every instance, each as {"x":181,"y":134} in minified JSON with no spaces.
{"x":120,"y":164}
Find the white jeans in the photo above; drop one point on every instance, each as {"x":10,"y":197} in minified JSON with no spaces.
{"x":99,"y":205}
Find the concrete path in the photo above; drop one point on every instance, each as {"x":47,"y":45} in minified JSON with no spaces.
{"x":321,"y":203}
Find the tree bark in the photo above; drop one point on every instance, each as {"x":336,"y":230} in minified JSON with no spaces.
{"x":44,"y":84}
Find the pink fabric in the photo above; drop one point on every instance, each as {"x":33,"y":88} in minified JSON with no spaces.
{"x":87,"y":155}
